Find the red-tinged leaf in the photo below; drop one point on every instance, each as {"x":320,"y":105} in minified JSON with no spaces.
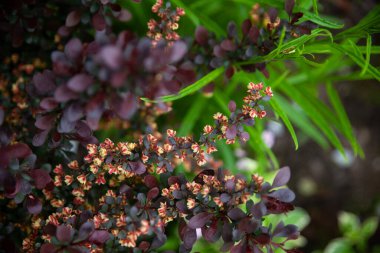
{"x":289,"y":5}
{"x":282,"y":177}
{"x":246,"y":26}
{"x":201,"y":35}
{"x":83,"y":130}
{"x":73,"y":18}
{"x":236,"y":214}
{"x":189,"y":237}
{"x":80,"y":82}
{"x":48,"y":248}
{"x":238,"y":248}
{"x":64,"y":233}
{"x":11,"y":184}
{"x":33,"y":204}
{"x":246,"y":225}
{"x":272,"y":14}
{"x":253,"y":34}
{"x":199,"y":220}
{"x":41,"y":178}
{"x":45,"y":122}
{"x":98,"y":21}
{"x":18,"y":150}
{"x":99,"y":237}
{"x":73,"y":49}
{"x":150,"y":181}
{"x":48,"y":104}
{"x":153,"y":193}
{"x":40,"y":138}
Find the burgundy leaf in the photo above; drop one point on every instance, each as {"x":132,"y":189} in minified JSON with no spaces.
{"x":40,"y":138}
{"x":33,"y":204}
{"x":65,"y":126}
{"x":74,"y":112}
{"x":83,"y":130}
{"x":73,"y":49}
{"x":98,"y":21}
{"x":189,"y":237}
{"x":199,"y":220}
{"x":228,"y":45}
{"x":41,"y":178}
{"x":285,"y":195}
{"x":282,"y":177}
{"x":64,"y":233}
{"x":231,"y":132}
{"x":150,"y":181}
{"x":253,"y":34}
{"x":127,"y":106}
{"x":79,"y":82}
{"x":111,"y":56}
{"x":137,"y":167}
{"x":45,"y":122}
{"x":232,"y":106}
{"x":178,"y":50}
{"x":73,"y":18}
{"x":48,"y":248}
{"x":225,"y":197}
{"x":246,"y":225}
{"x":236,"y":214}
{"x":99,"y":237}
{"x":201,"y":35}
{"x":246,"y":26}
{"x":48,"y":104}
{"x":289,"y":5}
{"x":153,"y":193}
{"x":44,"y":82}
{"x":63,"y":94}
{"x":19,"y":150}
{"x":272,"y":14}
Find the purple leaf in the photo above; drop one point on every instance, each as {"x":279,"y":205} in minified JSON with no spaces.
{"x":231,"y":132}
{"x":150,"y":181}
{"x":44,"y":82}
{"x":246,"y":26}
{"x":65,"y":126}
{"x":82,"y":129}
{"x":228,"y":45}
{"x":289,"y":5}
{"x":236,"y":214}
{"x":189,"y":237}
{"x":99,"y":237}
{"x":64,"y":233}
{"x":246,"y":225}
{"x":272,"y":14}
{"x":137,"y":167}
{"x":244,"y":136}
{"x":253,"y":34}
{"x":74,"y":112}
{"x":288,"y":231}
{"x":224,"y":197}
{"x":19,"y":150}
{"x":79,"y":82}
{"x":48,"y":248}
{"x":112,"y":56}
{"x":201,"y":35}
{"x":40,"y":138}
{"x":73,"y":18}
{"x":98,"y":21}
{"x":41,"y":178}
{"x":282,"y":177}
{"x":127,"y":106}
{"x":45,"y":122}
{"x":33,"y":204}
{"x":63,"y":94}
{"x":232,"y":106}
{"x":178,"y":50}
{"x":199,"y":220}
{"x":48,"y":104}
{"x":73,"y":49}
{"x":153,"y":193}
{"x":284,"y":195}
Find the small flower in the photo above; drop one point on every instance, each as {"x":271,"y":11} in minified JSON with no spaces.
{"x":190,"y":203}
{"x":58,"y":169}
{"x":100,"y":179}
{"x":268,"y":91}
{"x":73,"y":165}
{"x":171,"y":133}
{"x":195,"y":147}
{"x":162,"y":210}
{"x":207,"y":129}
{"x":82,"y":178}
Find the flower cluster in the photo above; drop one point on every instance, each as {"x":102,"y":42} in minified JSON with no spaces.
{"x":126,"y":193}
{"x":165,"y":28}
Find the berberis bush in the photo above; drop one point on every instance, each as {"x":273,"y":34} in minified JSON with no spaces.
{"x":70,"y":71}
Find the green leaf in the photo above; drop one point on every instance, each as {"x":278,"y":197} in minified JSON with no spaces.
{"x":368,"y":54}
{"x":285,"y":119}
{"x":191,"y":88}
{"x":324,"y":22}
{"x":348,"y":222}
{"x":340,"y":245}
{"x":343,"y":119}
{"x":369,"y":227}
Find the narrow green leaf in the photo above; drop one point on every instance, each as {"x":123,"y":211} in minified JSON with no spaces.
{"x":192,"y":115}
{"x":324,"y":22}
{"x":315,"y":8}
{"x":285,"y":119}
{"x":343,"y":119}
{"x":191,"y":88}
{"x":368,"y":54}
